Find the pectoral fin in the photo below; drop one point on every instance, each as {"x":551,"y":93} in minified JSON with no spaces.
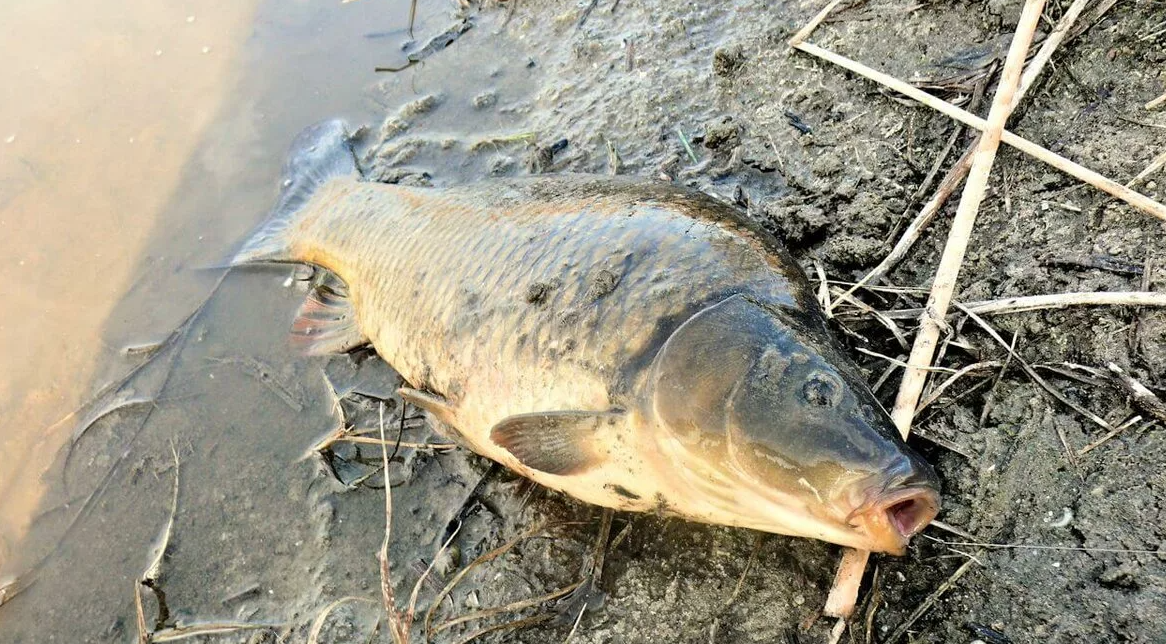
{"x":557,"y":442}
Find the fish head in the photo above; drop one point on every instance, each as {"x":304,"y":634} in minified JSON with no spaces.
{"x":764,"y":423}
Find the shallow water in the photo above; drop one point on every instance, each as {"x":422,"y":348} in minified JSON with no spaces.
{"x":140,"y":143}
{"x":103,"y":106}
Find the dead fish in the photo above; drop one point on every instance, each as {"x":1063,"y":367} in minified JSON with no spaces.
{"x":637,"y":345}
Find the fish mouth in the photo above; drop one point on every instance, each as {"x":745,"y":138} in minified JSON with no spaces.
{"x":892,"y":518}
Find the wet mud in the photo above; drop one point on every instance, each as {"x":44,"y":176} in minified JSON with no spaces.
{"x":272,"y":534}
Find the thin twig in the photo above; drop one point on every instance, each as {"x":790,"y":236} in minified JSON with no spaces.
{"x":493,"y":554}
{"x":1111,"y":435}
{"x":1161,"y":100}
{"x":1150,"y":169}
{"x":154,"y":571}
{"x":1026,"y":546}
{"x":813,"y":24}
{"x":900,"y":363}
{"x":1025,"y":303}
{"x":934,"y":394}
{"x":514,"y":625}
{"x":187,"y":631}
{"x":575,"y":626}
{"x":397,"y":628}
{"x":990,"y":397}
{"x":428,"y":569}
{"x":952,"y":529}
{"x":321,"y":619}
{"x":509,"y":608}
{"x":1044,"y":384}
{"x":760,"y":539}
{"x":1142,"y":396}
{"x":687,"y":145}
{"x":898,"y":633}
{"x":406,"y":444}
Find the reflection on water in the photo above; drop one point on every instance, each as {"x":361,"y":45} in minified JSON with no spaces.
{"x":139,"y":142}
{"x":103,"y":102}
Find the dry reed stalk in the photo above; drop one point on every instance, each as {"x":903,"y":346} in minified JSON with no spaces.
{"x":1141,"y":395}
{"x":960,"y":169}
{"x":813,"y":24}
{"x":843,"y":595}
{"x":1154,"y":166}
{"x":1075,"y":170}
{"x":1051,"y":301}
{"x":397,"y":628}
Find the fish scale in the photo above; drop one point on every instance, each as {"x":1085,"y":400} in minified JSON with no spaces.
{"x":637,"y":345}
{"x":453,"y":244}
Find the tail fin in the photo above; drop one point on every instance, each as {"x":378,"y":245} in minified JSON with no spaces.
{"x":319,"y":153}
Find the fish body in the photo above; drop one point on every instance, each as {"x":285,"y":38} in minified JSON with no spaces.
{"x":636,"y":345}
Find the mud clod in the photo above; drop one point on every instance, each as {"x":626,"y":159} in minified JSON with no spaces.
{"x":485,"y":100}
{"x":603,"y":282}
{"x":538,"y":292}
{"x":728,"y":61}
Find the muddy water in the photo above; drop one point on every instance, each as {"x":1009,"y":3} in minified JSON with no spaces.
{"x":140,"y":143}
{"x":103,"y":104}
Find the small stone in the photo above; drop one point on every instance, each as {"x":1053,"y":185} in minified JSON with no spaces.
{"x":189,"y":19}
{"x":206,"y":50}
{"x":157,"y":52}
{"x":11,"y":138}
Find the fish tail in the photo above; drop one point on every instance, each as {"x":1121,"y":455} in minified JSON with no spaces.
{"x":321,"y":152}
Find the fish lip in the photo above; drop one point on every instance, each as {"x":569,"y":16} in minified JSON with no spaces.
{"x":892,"y":517}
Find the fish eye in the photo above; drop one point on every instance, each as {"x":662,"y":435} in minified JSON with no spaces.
{"x":822,"y":390}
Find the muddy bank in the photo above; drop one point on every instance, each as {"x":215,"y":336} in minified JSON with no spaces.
{"x":705,"y":95}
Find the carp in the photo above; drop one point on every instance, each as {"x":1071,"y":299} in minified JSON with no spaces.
{"x":634,"y":344}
